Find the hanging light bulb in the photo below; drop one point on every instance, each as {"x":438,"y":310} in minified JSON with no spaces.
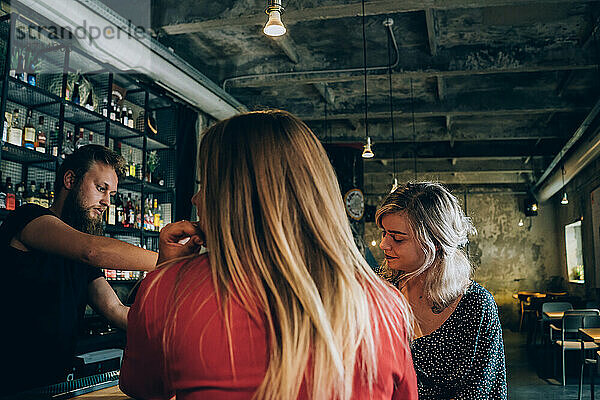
{"x":274,"y":26}
{"x":373,"y":243}
{"x":367,"y":152}
{"x":394,"y":186}
{"x":564,"y":199}
{"x":521,"y":222}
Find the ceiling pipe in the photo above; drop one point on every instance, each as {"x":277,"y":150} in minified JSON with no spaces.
{"x":138,"y":53}
{"x":552,"y":179}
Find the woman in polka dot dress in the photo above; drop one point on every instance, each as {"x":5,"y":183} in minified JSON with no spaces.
{"x":458,"y":351}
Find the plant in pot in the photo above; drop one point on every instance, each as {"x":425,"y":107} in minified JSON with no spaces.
{"x":151,"y":163}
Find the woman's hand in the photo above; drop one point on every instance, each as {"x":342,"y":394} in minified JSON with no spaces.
{"x":179,"y":239}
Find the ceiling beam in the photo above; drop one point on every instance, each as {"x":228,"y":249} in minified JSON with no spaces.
{"x":430,"y":22}
{"x":345,"y":10}
{"x":509,"y":164}
{"x":383,"y":183}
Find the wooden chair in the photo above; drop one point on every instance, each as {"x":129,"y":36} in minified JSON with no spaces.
{"x":569,"y":335}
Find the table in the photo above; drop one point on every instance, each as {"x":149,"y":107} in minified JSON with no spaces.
{"x":591,"y":334}
{"x":109,"y":393}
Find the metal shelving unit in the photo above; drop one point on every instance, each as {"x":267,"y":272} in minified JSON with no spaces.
{"x":48,"y":98}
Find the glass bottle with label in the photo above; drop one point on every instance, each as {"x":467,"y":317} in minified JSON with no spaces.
{"x":68,"y":146}
{"x":105,"y":107}
{"x":10,"y":195}
{"x":41,"y":136}
{"x":112,"y":112}
{"x":15,"y":134}
{"x":53,"y":145}
{"x":29,"y":132}
{"x":124,"y":116}
{"x":130,"y":118}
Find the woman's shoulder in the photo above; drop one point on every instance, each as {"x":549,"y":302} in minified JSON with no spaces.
{"x":478,"y":300}
{"x":167,"y":276}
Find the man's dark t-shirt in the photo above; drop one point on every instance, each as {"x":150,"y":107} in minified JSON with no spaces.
{"x":43,"y":300}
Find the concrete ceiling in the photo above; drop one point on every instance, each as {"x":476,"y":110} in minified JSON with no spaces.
{"x":484,"y":92}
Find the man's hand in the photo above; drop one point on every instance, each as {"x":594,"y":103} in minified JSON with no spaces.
{"x":179,"y":239}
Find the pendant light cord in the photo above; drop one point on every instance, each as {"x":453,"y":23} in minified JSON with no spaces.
{"x":412,"y":106}
{"x":389,"y":47}
{"x":364,"y":38}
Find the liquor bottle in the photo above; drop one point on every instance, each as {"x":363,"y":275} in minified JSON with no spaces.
{"x":111,"y":214}
{"x":43,"y":196}
{"x":118,"y":114}
{"x":54,"y":139}
{"x":68,"y":146}
{"x":5,"y":129}
{"x":138,"y":214}
{"x":112,"y":112}
{"x":130,"y":118}
{"x":124,"y":116}
{"x":29,"y":132}
{"x":130,"y":213}
{"x":2,"y":194}
{"x":119,"y":209}
{"x":50,"y":193}
{"x":105,"y":107}
{"x":10,"y":195}
{"x":89,"y":103}
{"x":131,"y":164}
{"x":41,"y":136}
{"x":90,"y":138}
{"x":15,"y":134}
{"x":156,"y":211}
{"x":19,"y":200}
{"x":31,"y":195}
{"x":76,"y":98}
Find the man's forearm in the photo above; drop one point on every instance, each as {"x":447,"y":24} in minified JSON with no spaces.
{"x":117,"y":316}
{"x":111,"y":253}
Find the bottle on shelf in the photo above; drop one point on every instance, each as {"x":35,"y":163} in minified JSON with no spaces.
{"x":43,"y":196}
{"x":89,"y":102}
{"x":156,"y":218}
{"x":31,"y":196}
{"x":68,"y":146}
{"x":118,"y":114}
{"x":19,"y":197}
{"x":111,"y":215}
{"x":130,"y":213}
{"x":138,"y":214}
{"x":124,"y":116}
{"x":15,"y":134}
{"x":29,"y":132}
{"x":41,"y":136}
{"x":131,"y":164}
{"x":53,"y":144}
{"x":112,"y":111}
{"x":130,"y":118}
{"x":49,"y":194}
{"x":2,"y":194}
{"x":104,"y":109}
{"x":119,"y":209}
{"x":5,"y":129}
{"x":81,"y":139}
{"x":10,"y":195}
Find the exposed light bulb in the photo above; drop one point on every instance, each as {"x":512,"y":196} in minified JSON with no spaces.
{"x":274,"y":26}
{"x":564,"y":200}
{"x":521,"y":222}
{"x":367,"y":152}
{"x":373,"y":243}
{"x":534,"y":207}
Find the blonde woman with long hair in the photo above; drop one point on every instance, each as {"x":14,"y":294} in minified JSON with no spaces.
{"x":283,"y":305}
{"x":458,"y":351}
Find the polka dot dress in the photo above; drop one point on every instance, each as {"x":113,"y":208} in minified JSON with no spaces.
{"x":464,"y":358}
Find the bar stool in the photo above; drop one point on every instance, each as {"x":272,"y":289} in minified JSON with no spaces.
{"x":526,"y":305}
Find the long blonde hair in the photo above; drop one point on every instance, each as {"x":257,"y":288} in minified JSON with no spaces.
{"x":441,"y":229}
{"x":280,"y":241}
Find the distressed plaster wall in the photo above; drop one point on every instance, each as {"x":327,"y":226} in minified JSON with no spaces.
{"x":507,"y":258}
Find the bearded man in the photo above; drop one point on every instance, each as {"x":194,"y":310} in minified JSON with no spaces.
{"x":51,"y":263}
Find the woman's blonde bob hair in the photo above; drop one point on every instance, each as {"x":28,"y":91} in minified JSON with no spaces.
{"x":441,"y":229}
{"x":278,"y":239}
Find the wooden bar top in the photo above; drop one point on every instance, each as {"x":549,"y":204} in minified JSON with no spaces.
{"x":109,"y":393}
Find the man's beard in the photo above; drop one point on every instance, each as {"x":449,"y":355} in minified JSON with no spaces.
{"x":78,"y":217}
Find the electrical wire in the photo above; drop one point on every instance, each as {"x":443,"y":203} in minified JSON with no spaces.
{"x":364,"y":39}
